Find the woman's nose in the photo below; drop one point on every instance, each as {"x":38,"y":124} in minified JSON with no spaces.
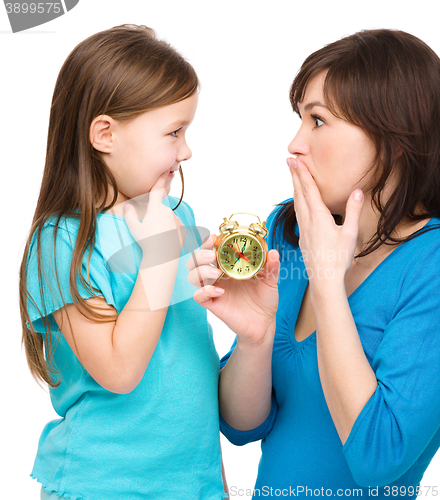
{"x":298,"y":145}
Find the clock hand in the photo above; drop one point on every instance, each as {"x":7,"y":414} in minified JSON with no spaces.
{"x":241,"y":253}
{"x":230,"y":246}
{"x":238,"y":258}
{"x":242,"y":250}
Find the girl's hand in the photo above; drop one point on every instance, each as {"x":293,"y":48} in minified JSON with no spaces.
{"x":158,"y":219}
{"x":327,"y":248}
{"x":247,"y":308}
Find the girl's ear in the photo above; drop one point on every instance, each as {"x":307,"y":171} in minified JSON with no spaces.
{"x":101,"y":137}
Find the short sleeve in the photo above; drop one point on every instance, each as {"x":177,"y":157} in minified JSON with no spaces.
{"x":403,"y":415}
{"x":49,"y":286}
{"x":240,"y":438}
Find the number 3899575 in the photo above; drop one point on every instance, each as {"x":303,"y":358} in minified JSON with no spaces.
{"x":33,"y":8}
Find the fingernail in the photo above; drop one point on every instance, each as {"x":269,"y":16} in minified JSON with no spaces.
{"x":209,"y":254}
{"x":209,"y":239}
{"x":215,"y":273}
{"x":292,"y":162}
{"x":273,"y":256}
{"x":358,"y":195}
{"x":219,"y":290}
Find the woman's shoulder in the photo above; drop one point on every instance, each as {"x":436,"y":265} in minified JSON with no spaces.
{"x":277,"y":209}
{"x":275,"y":226}
{"x":426,"y":239}
{"x":419,"y":257}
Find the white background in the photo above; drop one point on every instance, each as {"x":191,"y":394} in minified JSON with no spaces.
{"x":246,"y":55}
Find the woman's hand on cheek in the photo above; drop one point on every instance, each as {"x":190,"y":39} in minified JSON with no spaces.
{"x":327,"y":248}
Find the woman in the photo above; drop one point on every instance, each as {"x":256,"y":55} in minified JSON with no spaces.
{"x":343,"y":383}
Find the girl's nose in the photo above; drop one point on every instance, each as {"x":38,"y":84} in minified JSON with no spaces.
{"x":184,"y":153}
{"x":298,"y":145}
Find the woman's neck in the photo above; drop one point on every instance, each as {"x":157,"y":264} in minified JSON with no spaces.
{"x":368,"y":226}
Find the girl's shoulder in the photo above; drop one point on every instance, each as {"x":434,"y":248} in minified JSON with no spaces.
{"x":55,"y":231}
{"x":55,"y":224}
{"x":183,"y":211}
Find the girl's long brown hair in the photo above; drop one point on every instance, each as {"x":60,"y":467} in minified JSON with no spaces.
{"x":121,"y":72}
{"x":388,"y":83}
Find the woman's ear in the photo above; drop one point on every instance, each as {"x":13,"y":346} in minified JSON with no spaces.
{"x":101,"y":133}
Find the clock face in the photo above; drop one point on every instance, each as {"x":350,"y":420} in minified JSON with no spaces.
{"x":240,"y":256}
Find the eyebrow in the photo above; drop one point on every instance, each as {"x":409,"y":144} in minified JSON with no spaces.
{"x":311,"y":105}
{"x":178,"y":124}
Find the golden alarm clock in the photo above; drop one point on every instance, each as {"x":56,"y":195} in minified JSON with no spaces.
{"x":241,"y":251}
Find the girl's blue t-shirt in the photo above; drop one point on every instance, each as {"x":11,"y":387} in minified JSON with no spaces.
{"x":162,"y":439}
{"x":397,"y":314}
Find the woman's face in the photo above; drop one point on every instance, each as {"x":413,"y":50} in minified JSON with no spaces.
{"x":337,"y":153}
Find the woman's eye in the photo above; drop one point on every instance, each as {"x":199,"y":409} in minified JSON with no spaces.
{"x":318,"y":121}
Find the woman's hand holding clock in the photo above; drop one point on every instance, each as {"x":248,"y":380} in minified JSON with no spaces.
{"x":247,"y":308}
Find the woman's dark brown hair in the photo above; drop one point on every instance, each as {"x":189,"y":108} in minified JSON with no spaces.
{"x":388,"y":83}
{"x":121,"y":72}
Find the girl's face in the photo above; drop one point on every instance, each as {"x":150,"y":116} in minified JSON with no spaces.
{"x":149,"y":145}
{"x":336,"y":153}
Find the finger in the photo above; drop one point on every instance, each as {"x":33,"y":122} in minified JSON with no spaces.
{"x":272,"y":266}
{"x":200,"y":258}
{"x":209,"y":242}
{"x":158,"y":191}
{"x":310,"y":193}
{"x":353,"y":212}
{"x":131,"y":218}
{"x":204,"y":275}
{"x":301,"y":207}
{"x":205,"y":295}
{"x":308,"y":185}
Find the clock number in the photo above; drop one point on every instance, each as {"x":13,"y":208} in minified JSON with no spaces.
{"x":239,"y":270}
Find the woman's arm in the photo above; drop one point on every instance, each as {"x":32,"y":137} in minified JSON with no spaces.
{"x":245,"y":386}
{"x":347,"y":378}
{"x":249,"y":310}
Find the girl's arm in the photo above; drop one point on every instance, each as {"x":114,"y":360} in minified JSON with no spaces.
{"x":225,"y":482}
{"x":245,"y":385}
{"x":117,"y":353}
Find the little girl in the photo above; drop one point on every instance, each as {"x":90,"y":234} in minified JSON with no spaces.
{"x":107,"y":323}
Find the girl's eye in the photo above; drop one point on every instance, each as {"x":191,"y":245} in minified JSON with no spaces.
{"x":174,"y":134}
{"x":318,"y":121}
